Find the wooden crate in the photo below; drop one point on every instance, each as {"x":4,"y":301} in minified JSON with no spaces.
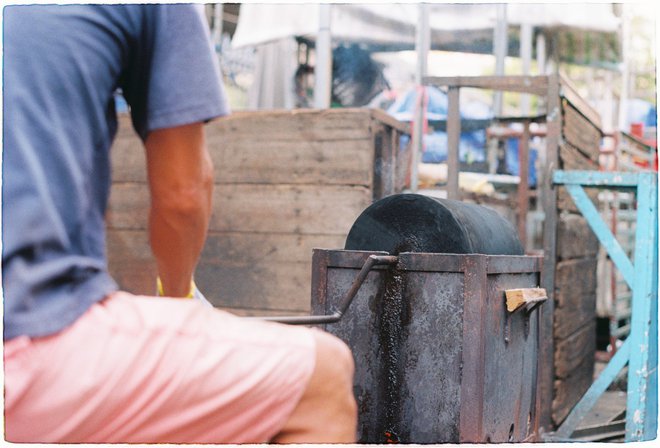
{"x":285,"y":182}
{"x":575,"y":260}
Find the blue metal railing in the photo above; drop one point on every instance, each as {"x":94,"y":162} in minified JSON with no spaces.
{"x":640,"y":350}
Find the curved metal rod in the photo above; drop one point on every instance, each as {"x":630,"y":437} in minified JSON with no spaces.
{"x":373,"y":260}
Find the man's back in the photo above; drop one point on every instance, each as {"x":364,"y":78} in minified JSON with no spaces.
{"x":62,"y":66}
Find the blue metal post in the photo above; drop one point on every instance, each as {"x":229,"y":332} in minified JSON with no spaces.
{"x":639,"y":367}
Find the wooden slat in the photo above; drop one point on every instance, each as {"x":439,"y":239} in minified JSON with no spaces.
{"x":252,"y":160}
{"x":303,"y":209}
{"x":572,"y":159}
{"x":128,"y":206}
{"x":131,"y":262}
{"x":537,"y":85}
{"x":572,"y":351}
{"x":261,"y":312}
{"x":568,"y":391}
{"x":565,"y":202}
{"x":338,"y":162}
{"x":575,"y":239}
{"x":235,"y":270}
{"x":241,"y":248}
{"x":573,"y":280}
{"x":569,"y":92}
{"x":309,"y":125}
{"x":577,"y":313}
{"x":127,"y":154}
{"x":580,"y":132}
{"x":281,"y":286}
{"x":549,"y":200}
{"x":517,"y":298}
{"x":388,"y":120}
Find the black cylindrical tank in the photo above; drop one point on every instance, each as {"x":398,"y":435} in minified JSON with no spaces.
{"x":417,"y":223}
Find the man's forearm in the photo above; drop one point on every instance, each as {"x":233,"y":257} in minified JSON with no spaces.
{"x":177,"y":235}
{"x":180,"y":175}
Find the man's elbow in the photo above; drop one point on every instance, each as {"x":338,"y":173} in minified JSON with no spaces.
{"x":190,"y":199}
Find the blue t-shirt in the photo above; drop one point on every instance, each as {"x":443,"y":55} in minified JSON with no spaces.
{"x":62,"y":66}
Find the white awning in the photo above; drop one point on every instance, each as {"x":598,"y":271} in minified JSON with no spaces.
{"x":395,"y":23}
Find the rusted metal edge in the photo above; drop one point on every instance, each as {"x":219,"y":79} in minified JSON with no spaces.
{"x":419,"y":261}
{"x":473,"y":360}
{"x":514,"y":264}
{"x":434,"y":262}
{"x":350,"y":259}
{"x":319,"y":282}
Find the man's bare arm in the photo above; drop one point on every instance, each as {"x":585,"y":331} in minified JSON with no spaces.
{"x":180,"y":174}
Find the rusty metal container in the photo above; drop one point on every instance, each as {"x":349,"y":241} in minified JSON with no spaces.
{"x":439,"y":359}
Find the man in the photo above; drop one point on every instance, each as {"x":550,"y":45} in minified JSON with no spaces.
{"x":83,"y":361}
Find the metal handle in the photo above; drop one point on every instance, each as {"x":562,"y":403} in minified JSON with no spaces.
{"x":373,"y":260}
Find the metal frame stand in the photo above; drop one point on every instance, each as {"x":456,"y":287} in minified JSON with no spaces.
{"x":640,"y":350}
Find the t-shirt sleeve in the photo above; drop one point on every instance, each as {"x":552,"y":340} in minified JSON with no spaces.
{"x":176,"y":78}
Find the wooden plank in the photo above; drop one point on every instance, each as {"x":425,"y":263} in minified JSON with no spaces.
{"x":573,"y":279}
{"x":302,"y":209}
{"x":575,"y":239}
{"x":261,"y":312}
{"x":240,"y":248}
{"x":305,"y":124}
{"x":549,"y":198}
{"x":251,"y":160}
{"x":578,"y":312}
{"x":235,"y":270}
{"x":130,"y":261}
{"x":388,"y":120}
{"x":339,"y":162}
{"x":569,"y":390}
{"x":572,"y":159}
{"x":565,"y":202}
{"x":284,"y":286}
{"x":517,"y":298}
{"x":573,"y":350}
{"x":537,"y":85}
{"x":127,"y":153}
{"x":128,"y":206}
{"x":403,"y":161}
{"x":384,"y":164}
{"x":569,"y":92}
{"x":580,"y":132}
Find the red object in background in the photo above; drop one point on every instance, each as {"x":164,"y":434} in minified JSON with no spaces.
{"x":637,"y":130}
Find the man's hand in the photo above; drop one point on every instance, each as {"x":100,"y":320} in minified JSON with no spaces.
{"x":180,"y":174}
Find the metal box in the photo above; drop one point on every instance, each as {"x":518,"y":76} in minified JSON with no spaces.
{"x":438,"y":357}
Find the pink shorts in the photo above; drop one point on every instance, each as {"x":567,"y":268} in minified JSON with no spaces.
{"x":138,"y":369}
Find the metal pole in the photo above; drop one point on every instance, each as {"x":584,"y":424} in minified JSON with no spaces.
{"x":323,"y":68}
{"x":218,"y":11}
{"x":453,"y":141}
{"x":540,"y":53}
{"x":526,"y":36}
{"x":625,"y":69}
{"x":422,"y":43}
{"x":500,"y":44}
